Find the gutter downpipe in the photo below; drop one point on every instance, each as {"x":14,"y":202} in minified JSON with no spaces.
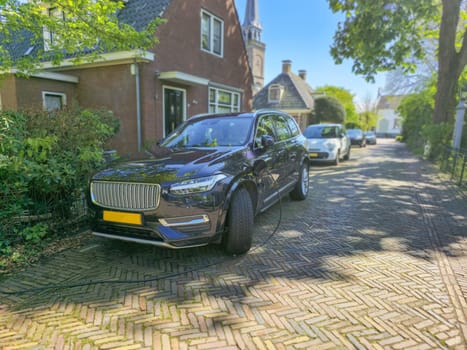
{"x":138,"y":106}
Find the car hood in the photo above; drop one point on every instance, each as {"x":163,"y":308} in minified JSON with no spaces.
{"x":169,"y":165}
{"x":320,"y":143}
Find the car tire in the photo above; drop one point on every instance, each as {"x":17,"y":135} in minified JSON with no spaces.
{"x":238,"y":238}
{"x":300,"y":192}
{"x":336,"y":161}
{"x":347,"y":155}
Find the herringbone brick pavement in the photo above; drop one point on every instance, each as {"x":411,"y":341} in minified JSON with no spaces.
{"x":375,"y":258}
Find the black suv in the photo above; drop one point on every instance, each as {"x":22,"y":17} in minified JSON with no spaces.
{"x":204,"y":183}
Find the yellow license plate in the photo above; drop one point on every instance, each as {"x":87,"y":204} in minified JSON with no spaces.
{"x":313,"y":155}
{"x":123,"y":218}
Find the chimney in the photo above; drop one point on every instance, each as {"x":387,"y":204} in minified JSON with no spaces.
{"x":286,"y":66}
{"x":302,"y":74}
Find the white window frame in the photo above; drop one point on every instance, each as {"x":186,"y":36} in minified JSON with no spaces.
{"x":233,"y":108}
{"x":51,"y":93}
{"x":274,"y":87}
{"x":212,"y":19}
{"x":50,"y":38}
{"x":164,"y":87}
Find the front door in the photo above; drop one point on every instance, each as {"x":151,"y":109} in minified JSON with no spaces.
{"x":174,"y":109}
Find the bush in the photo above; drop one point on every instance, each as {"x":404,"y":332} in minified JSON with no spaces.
{"x":45,"y":161}
{"x":438,"y":137}
{"x":329,"y":109}
{"x":416,"y":111}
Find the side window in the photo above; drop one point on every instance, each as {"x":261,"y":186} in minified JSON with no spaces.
{"x":293,"y":126}
{"x":265,"y":127}
{"x":281,"y":127}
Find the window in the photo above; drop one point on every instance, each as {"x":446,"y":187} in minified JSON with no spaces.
{"x":282,"y":130}
{"x":52,"y":101}
{"x":265,"y":128}
{"x":293,"y":127}
{"x":223,"y":101}
{"x":275,"y":93}
{"x":212,"y":34}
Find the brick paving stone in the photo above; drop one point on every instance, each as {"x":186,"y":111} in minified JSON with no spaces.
{"x":374,"y":259}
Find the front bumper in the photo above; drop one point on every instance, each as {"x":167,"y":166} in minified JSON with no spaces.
{"x":322,"y":156}
{"x":179,"y":221}
{"x":180,"y":232}
{"x":356,"y":141}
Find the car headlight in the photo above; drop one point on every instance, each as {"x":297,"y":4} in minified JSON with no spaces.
{"x":202,"y":184}
{"x":331,"y":147}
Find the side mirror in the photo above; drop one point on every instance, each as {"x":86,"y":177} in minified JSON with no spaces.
{"x":267,"y":141}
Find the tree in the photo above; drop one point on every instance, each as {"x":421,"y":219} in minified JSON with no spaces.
{"x":345,"y":97}
{"x":368,"y":117}
{"x":399,"y":82}
{"x":329,"y":109}
{"x":382,"y":35}
{"x":82,"y":29}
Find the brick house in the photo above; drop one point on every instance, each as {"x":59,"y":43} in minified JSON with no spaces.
{"x":288,"y":92}
{"x":199,"y":65}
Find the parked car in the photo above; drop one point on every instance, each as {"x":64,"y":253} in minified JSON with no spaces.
{"x":357,"y":137}
{"x":327,"y":143}
{"x":204,"y":183}
{"x":370,"y":137}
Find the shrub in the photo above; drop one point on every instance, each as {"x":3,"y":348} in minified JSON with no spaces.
{"x":45,"y":161}
{"x":438,"y":137}
{"x":416,"y":111}
{"x":329,"y":109}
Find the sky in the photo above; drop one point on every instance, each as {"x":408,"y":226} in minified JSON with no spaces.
{"x":302,"y":31}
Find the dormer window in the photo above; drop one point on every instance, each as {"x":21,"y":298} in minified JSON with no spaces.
{"x":275,"y":93}
{"x":51,"y":38}
{"x":212,"y":34}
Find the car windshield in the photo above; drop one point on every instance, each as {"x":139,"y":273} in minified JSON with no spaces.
{"x":369,"y":133}
{"x":320,"y":132}
{"x":354,"y":132}
{"x":210,"y":132}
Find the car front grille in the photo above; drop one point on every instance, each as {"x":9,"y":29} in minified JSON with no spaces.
{"x":125,"y":195}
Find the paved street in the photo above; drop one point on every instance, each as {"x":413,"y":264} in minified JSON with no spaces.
{"x":375,"y":258}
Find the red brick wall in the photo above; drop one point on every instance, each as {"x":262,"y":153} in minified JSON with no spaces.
{"x":8,"y":93}
{"x":29,"y":92}
{"x":112,"y":88}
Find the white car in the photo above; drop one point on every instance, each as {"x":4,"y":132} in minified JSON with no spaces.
{"x":327,"y":143}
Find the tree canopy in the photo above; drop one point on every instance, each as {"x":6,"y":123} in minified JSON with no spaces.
{"x":329,"y":109}
{"x":82,"y":29}
{"x":345,"y":97}
{"x":384,"y":35}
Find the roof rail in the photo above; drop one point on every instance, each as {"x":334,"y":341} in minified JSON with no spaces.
{"x":268,"y":110}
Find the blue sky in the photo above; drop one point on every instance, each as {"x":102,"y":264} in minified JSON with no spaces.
{"x":302,"y":31}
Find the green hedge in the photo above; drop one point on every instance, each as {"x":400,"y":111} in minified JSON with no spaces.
{"x":45,"y":161}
